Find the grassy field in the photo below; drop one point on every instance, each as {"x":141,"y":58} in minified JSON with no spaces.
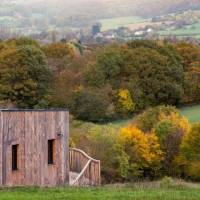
{"x":192,"y":30}
{"x":192,"y":113}
{"x":141,"y":191}
{"x":114,"y":23}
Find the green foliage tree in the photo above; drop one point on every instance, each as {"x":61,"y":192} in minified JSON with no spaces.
{"x":147,"y":120}
{"x":91,"y":105}
{"x":160,"y":74}
{"x":24,"y":75}
{"x":152,"y":73}
{"x":190,"y":153}
{"x":190,"y":54}
{"x":107,"y":68}
{"x":22,"y":41}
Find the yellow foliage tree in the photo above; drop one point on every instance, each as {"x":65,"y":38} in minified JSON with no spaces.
{"x":143,"y":149}
{"x":125,"y":104}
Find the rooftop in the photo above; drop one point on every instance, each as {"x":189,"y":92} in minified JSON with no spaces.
{"x":33,"y":110}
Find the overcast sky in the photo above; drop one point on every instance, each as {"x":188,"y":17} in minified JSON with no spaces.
{"x":145,"y":8}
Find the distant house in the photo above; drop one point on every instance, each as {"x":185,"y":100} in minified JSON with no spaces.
{"x":139,"y":33}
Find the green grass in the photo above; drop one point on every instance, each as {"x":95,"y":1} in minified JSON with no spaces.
{"x":139,"y":192}
{"x":192,"y":30}
{"x":6,"y":20}
{"x":114,"y":23}
{"x":191,"y":112}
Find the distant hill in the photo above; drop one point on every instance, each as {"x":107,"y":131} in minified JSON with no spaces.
{"x":108,"y":8}
{"x":43,"y":15}
{"x":113,"y":8}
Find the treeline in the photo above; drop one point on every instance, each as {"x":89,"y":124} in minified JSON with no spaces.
{"x":110,"y":82}
{"x":101,"y":84}
{"x":157,"y":143}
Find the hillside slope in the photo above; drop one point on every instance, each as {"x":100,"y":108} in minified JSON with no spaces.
{"x":108,"y":8}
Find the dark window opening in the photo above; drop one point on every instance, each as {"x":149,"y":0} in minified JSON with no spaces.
{"x":15,"y":157}
{"x":51,"y":146}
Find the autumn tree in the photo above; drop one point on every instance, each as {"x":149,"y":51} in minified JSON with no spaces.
{"x":149,"y":118}
{"x":170,"y":128}
{"x":22,"y":41}
{"x":189,"y":159}
{"x":68,"y":80}
{"x":190,"y":54}
{"x":124,"y":103}
{"x":59,"y":55}
{"x":24,"y":74}
{"x":145,"y":154}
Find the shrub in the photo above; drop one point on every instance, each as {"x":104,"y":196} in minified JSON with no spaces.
{"x":167,"y":182}
{"x":193,"y":170}
{"x":101,"y":142}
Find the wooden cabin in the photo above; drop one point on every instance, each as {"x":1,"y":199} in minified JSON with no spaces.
{"x":34,"y":147}
{"x":34,"y":150}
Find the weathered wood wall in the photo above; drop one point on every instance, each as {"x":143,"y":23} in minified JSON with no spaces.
{"x":31,"y":130}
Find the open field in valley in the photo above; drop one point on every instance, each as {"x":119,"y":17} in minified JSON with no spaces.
{"x":114,"y":23}
{"x":192,"y":113}
{"x":187,"y":31}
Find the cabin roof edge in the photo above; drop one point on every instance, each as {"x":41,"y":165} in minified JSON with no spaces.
{"x":34,"y":110}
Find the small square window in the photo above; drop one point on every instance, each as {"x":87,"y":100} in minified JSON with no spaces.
{"x":15,"y":157}
{"x":51,"y":151}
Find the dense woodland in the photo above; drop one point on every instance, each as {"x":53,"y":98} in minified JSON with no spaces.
{"x":111,"y":82}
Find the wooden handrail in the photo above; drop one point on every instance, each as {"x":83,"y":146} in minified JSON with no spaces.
{"x":82,"y":152}
{"x":87,"y":168}
{"x":82,"y":173}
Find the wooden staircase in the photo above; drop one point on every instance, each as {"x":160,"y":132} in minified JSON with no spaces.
{"x":84,"y":170}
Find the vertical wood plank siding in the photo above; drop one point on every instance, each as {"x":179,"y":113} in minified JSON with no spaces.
{"x":31,"y":130}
